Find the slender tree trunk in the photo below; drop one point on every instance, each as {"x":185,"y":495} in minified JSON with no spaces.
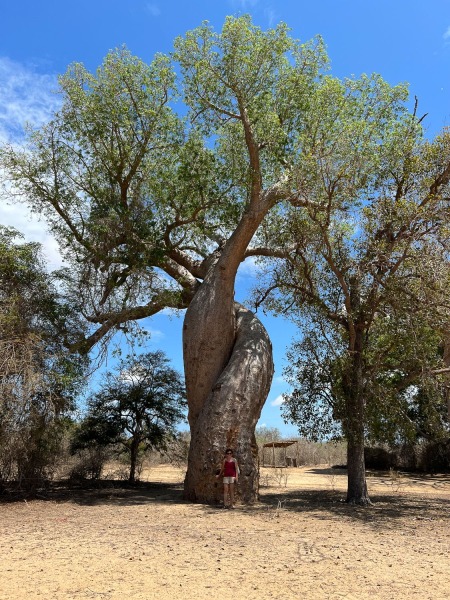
{"x":354,"y":426}
{"x":228,"y":416}
{"x":446,"y":360}
{"x":134,"y":448}
{"x":357,"y":485}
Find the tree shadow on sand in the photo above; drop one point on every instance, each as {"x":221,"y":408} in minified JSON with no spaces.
{"x":406,"y":496}
{"x":324,"y":504}
{"x":104,"y":492}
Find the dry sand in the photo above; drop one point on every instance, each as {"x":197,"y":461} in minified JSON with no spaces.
{"x":301,"y":541}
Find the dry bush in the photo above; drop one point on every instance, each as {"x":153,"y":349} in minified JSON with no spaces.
{"x":176,"y":451}
{"x":31,"y":429}
{"x":88,"y":463}
{"x":428,"y":456}
{"x":275,"y":478}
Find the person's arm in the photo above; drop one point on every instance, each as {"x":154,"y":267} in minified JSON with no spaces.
{"x":237,"y":469}
{"x":221,"y":470}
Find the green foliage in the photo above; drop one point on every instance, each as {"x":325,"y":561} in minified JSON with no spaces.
{"x":92,"y":172}
{"x":313,"y":371}
{"x":404,"y":401}
{"x":141,"y":199}
{"x":246,"y":74}
{"x":355,"y":201}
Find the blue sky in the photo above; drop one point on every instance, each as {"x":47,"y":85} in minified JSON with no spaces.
{"x":403,"y":40}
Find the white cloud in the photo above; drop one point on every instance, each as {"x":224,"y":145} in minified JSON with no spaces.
{"x":243,"y":4}
{"x":153,"y":9}
{"x":446,"y":35}
{"x":251,"y":6}
{"x":248,"y":268}
{"x":34,"y":230}
{"x":155,"y":334}
{"x":279,"y":400}
{"x":26,"y":97}
{"x":271,"y":16}
{"x":133,"y":376}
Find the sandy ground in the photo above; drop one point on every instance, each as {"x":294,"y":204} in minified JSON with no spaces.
{"x":301,"y":541}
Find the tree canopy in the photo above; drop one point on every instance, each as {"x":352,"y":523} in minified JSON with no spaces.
{"x":364,"y":269}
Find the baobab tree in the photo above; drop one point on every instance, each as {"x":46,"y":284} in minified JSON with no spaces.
{"x":154,"y":211}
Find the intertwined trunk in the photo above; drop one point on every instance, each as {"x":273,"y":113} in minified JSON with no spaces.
{"x":228,"y":369}
{"x":229,"y":413}
{"x":227,"y":360}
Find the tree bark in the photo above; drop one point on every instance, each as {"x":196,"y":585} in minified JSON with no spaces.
{"x":354,"y":425}
{"x":357,"y":486}
{"x":227,"y":418}
{"x":446,"y":361}
{"x":228,"y":368}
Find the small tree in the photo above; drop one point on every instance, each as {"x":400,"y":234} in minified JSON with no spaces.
{"x":137,"y":407}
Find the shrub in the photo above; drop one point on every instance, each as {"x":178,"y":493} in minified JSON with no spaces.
{"x":436,"y":457}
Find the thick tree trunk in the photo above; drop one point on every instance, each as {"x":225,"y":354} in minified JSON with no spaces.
{"x":228,"y":368}
{"x":228,"y":415}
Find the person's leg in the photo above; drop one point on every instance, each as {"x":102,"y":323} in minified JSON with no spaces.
{"x":231,"y":486}
{"x":226,"y":487}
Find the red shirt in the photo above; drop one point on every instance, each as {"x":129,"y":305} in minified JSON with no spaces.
{"x":229,"y":468}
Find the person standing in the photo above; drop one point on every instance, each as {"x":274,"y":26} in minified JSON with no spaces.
{"x":230,"y":473}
